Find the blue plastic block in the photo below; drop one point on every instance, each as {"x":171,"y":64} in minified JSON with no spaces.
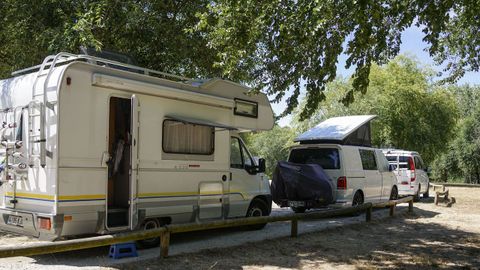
{"x":122,"y":250}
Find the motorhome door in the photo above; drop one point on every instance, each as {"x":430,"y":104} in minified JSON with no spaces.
{"x":122,"y":165}
{"x":134,"y":129}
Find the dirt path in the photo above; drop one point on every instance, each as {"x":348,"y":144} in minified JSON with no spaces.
{"x":434,"y":237}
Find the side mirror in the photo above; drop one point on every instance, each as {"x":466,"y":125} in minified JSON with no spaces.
{"x":261,"y":165}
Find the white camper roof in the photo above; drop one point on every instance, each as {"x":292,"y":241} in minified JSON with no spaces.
{"x":336,"y":128}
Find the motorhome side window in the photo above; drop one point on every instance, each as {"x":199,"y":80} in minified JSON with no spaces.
{"x":239,"y":156}
{"x":368,"y":159}
{"x":187,"y":138}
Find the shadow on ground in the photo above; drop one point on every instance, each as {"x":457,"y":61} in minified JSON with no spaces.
{"x":397,"y":242}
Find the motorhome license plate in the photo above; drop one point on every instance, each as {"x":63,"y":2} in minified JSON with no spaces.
{"x":296,"y":203}
{"x":15,"y":220}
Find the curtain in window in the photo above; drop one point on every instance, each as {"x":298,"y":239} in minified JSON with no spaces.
{"x":186,"y":138}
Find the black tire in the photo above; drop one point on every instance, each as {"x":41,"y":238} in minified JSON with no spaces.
{"x":394,"y":193}
{"x":357,"y":198}
{"x":257,"y":208}
{"x":427,"y":193}
{"x":416,"y":198}
{"x":298,"y":210}
{"x":149,"y":224}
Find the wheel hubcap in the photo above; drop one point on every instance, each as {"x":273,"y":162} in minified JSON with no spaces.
{"x":150,"y":225}
{"x":256,"y":212}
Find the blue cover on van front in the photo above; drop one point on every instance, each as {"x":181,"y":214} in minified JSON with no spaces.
{"x":301,"y":182}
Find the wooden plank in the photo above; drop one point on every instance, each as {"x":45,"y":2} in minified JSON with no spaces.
{"x":392,"y":210}
{"x":164,"y":244}
{"x":294,"y":228}
{"x":190,"y":227}
{"x":105,"y":240}
{"x":368,"y":214}
{"x":77,"y":244}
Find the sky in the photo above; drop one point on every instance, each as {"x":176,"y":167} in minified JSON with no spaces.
{"x":412,"y":45}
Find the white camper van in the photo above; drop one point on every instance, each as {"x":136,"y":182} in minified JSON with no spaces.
{"x":410,"y":171}
{"x":91,"y":145}
{"x":342,"y":147}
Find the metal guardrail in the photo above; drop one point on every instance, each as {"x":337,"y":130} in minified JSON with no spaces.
{"x":165,"y":232}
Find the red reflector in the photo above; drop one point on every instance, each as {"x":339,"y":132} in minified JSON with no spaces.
{"x":342,"y":182}
{"x":44,"y":223}
{"x":405,"y":183}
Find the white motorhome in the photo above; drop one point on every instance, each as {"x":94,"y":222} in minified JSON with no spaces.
{"x":92,"y":145}
{"x":342,"y":147}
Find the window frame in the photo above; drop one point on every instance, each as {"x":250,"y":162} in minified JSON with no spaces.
{"x":374,"y":159}
{"x":242,"y":155}
{"x":332,"y":149}
{"x":245,"y":114}
{"x":212,"y":151}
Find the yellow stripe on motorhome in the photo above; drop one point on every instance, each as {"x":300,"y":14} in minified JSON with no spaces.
{"x":180,"y":194}
{"x":32,"y":195}
{"x":167,"y":194}
{"x":81,"y":197}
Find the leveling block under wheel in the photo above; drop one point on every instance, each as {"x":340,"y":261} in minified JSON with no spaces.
{"x":118,"y":251}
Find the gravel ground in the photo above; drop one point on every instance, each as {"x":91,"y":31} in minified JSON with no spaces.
{"x":433,"y":237}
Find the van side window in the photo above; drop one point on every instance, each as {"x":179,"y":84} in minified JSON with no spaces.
{"x":418,"y":164}
{"x":368,"y":159}
{"x":239,"y":156}
{"x":187,"y":138}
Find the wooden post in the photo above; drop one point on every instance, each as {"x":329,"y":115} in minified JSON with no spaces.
{"x":164,"y":244}
{"x":410,"y":206}
{"x":392,"y":210}
{"x":368,"y":214}
{"x":294,"y":229}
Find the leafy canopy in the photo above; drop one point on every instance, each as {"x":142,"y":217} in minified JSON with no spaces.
{"x":294,"y":43}
{"x":273,"y":46}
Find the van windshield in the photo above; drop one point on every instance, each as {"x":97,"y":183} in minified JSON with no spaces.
{"x":328,"y":158}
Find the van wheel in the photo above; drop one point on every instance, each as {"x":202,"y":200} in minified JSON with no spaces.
{"x":149,"y":224}
{"x":298,"y":210}
{"x":427,"y":193}
{"x":416,"y":198}
{"x":258,"y":208}
{"x":357,"y":199}
{"x":394,"y":193}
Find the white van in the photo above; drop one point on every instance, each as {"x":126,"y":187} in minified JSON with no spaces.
{"x":410,"y":171}
{"x":92,"y":145}
{"x":341,"y":145}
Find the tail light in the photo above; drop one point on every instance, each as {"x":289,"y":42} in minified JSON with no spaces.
{"x":411,"y":167}
{"x":342,"y":182}
{"x":44,"y":223}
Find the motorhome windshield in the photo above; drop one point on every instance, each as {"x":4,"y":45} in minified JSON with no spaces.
{"x":328,"y":158}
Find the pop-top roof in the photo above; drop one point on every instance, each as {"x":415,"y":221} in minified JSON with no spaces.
{"x":335,"y":129}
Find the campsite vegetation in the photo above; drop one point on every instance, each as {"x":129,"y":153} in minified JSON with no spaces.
{"x":293,"y":44}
